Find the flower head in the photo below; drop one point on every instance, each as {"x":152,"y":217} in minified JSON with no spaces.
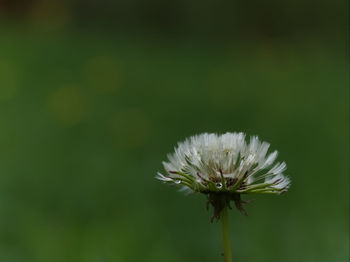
{"x":224,"y":167}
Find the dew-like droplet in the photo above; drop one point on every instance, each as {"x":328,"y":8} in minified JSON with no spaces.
{"x":177,"y":181}
{"x":219,"y":185}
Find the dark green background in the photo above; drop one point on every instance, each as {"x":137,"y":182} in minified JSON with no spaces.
{"x":93,"y":95}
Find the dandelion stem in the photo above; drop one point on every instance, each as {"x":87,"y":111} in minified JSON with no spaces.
{"x":226,"y":236}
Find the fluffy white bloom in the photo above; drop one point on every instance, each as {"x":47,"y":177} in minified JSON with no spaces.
{"x":225,"y":163}
{"x":225,"y":166}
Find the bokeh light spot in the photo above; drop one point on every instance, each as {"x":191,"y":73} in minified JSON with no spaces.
{"x":68,"y":105}
{"x":50,"y":15}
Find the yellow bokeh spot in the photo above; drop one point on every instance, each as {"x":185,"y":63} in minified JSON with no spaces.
{"x":131,"y":128}
{"x":68,"y":105}
{"x":50,"y":15}
{"x":103,"y":73}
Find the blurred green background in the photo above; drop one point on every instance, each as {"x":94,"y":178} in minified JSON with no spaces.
{"x":94,"y":94}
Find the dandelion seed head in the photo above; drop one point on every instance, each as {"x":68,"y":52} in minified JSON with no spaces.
{"x":225,"y":165}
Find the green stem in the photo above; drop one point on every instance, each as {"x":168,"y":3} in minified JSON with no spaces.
{"x":226,"y":236}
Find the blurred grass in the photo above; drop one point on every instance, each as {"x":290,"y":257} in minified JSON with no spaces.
{"x":87,"y":119}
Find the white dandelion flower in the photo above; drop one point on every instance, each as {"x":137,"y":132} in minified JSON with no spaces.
{"x":224,"y":167}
